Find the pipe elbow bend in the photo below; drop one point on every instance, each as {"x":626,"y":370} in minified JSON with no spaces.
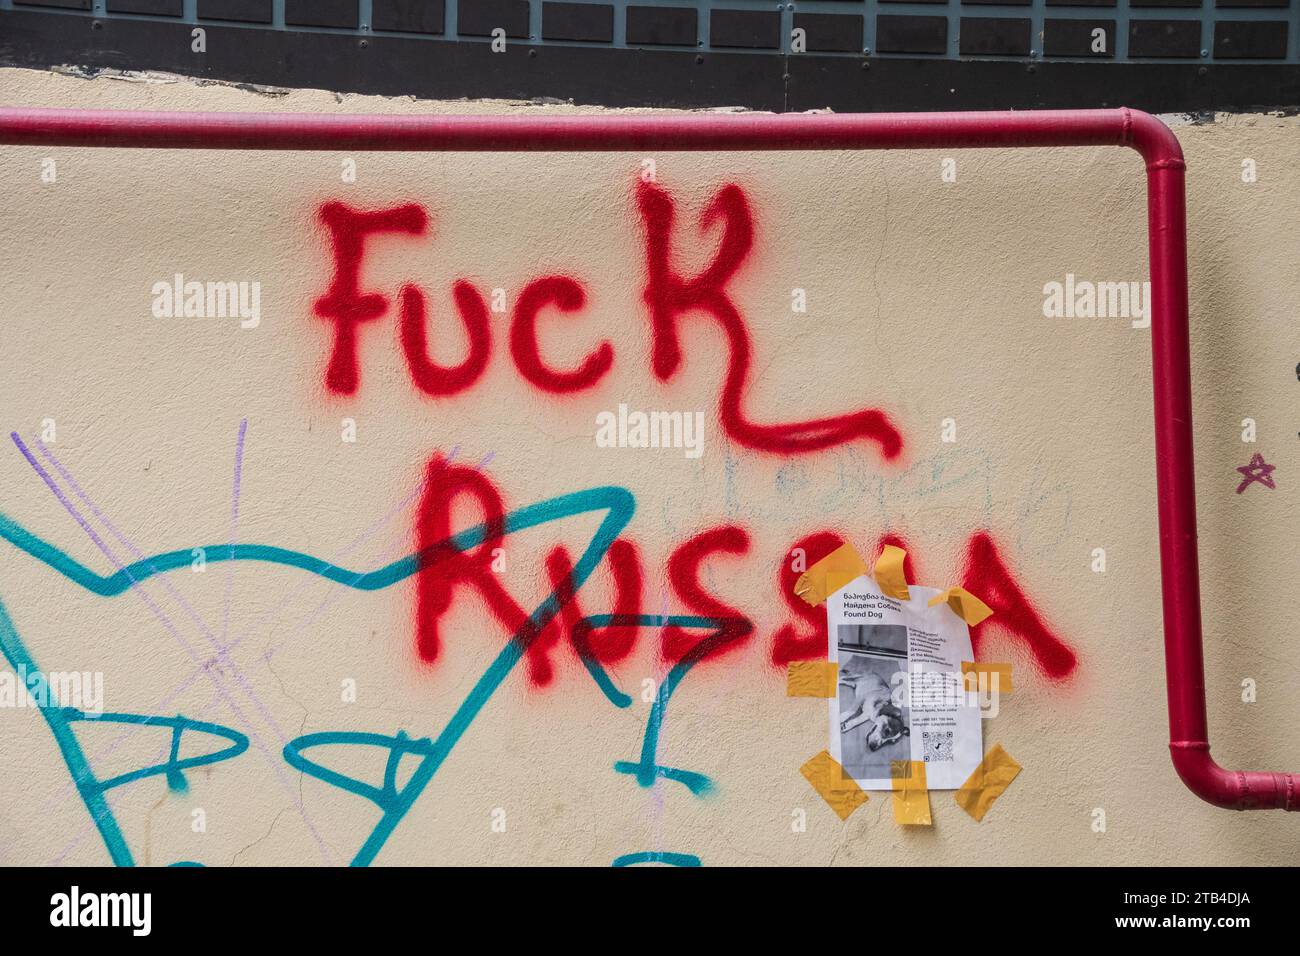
{"x":1153,"y":139}
{"x":1233,"y":789}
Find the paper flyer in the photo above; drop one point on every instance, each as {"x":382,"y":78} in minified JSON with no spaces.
{"x":901,"y":694}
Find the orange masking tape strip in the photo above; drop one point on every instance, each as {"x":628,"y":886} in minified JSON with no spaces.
{"x":964,"y":604}
{"x":830,"y":574}
{"x":911,"y":798}
{"x":811,"y":678}
{"x":840,"y":791}
{"x":977,"y":671}
{"x":986,"y":784}
{"x":889,"y":573}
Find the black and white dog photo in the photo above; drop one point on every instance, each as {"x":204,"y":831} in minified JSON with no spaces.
{"x":873,"y":725}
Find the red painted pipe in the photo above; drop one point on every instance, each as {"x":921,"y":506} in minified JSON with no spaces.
{"x":1167,"y":227}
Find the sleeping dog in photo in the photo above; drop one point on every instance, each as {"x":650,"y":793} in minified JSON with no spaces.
{"x":866,"y":696}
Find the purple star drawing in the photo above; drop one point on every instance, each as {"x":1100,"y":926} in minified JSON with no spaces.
{"x":1256,"y":471}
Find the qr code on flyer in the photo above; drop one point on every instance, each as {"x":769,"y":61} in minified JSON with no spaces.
{"x":938,"y":745}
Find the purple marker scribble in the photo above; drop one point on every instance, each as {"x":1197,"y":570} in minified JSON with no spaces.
{"x":166,"y":585}
{"x":1258,"y":471}
{"x":223,"y":654}
{"x":158,"y":612}
{"x":234,"y":525}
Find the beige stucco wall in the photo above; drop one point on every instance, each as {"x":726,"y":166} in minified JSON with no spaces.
{"x":924,"y":299}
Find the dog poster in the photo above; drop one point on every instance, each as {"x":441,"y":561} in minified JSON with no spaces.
{"x":901,"y":694}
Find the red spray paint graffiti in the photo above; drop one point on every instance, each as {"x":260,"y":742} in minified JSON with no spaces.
{"x":986,"y":574}
{"x":670,"y":298}
{"x":669,"y":295}
{"x":684,"y":568}
{"x":344,"y":301}
{"x":607,"y":645}
{"x":430,"y":377}
{"x":568,"y":296}
{"x":447,"y":568}
{"x":791,"y":643}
